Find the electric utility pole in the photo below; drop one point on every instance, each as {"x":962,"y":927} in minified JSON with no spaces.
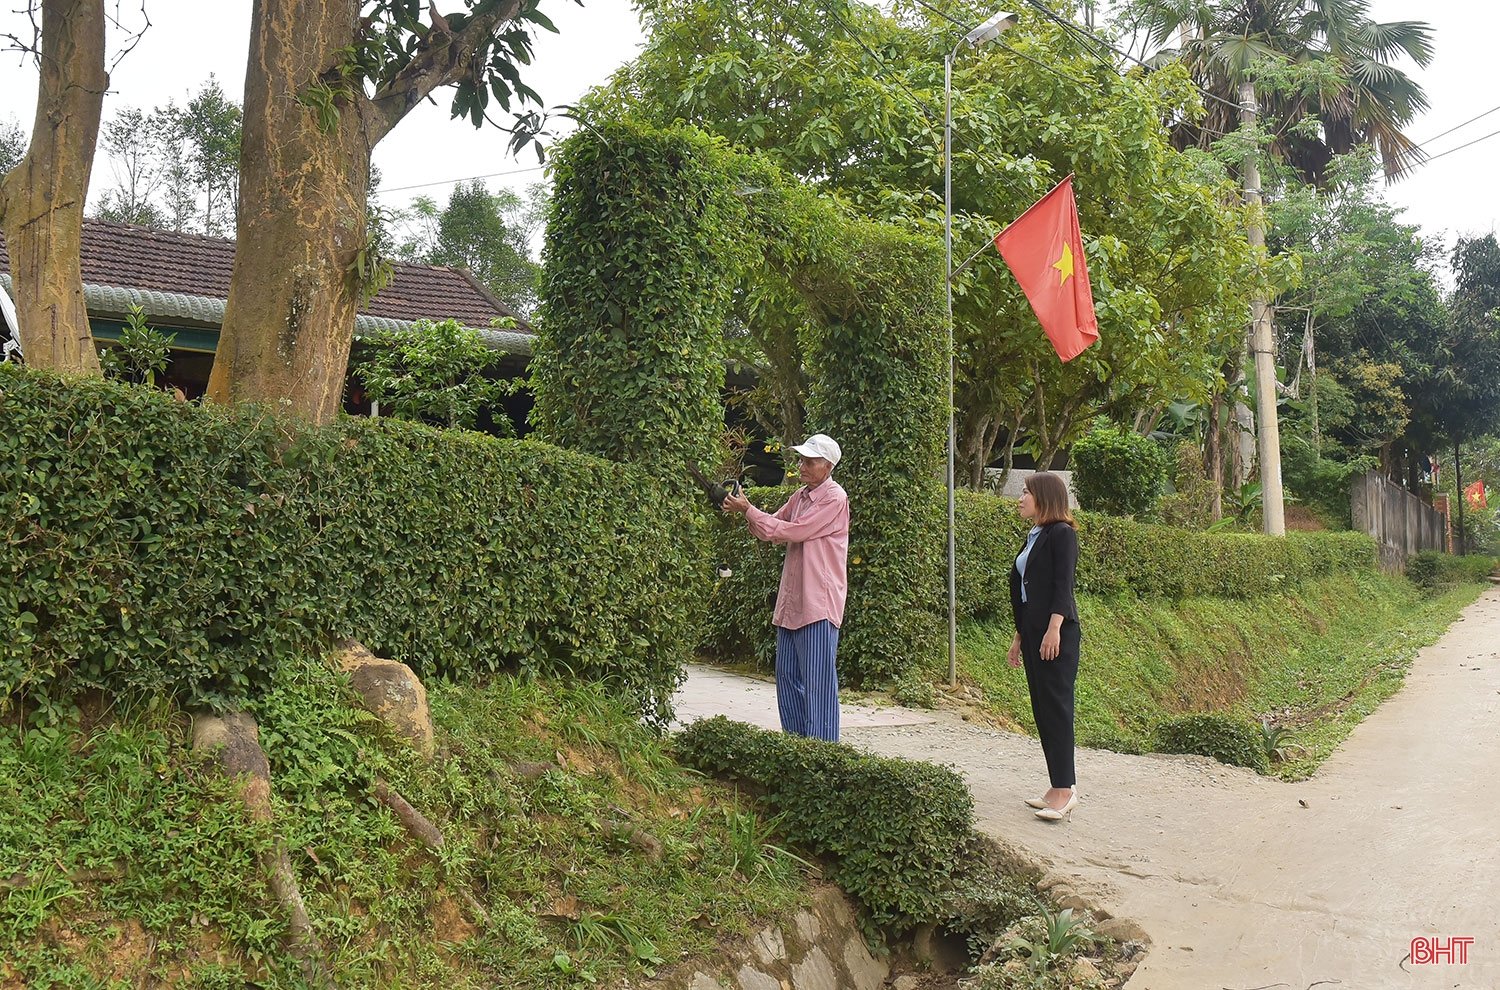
{"x":1267,"y":429}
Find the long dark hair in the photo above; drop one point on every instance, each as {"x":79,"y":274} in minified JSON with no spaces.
{"x":1049,"y":493}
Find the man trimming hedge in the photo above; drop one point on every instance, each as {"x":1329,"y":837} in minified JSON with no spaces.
{"x":814,"y":524}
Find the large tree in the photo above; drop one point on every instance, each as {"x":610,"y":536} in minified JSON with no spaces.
{"x":12,"y":144}
{"x":42,"y":196}
{"x":324,"y":86}
{"x":1326,"y":74}
{"x":487,"y":233}
{"x":849,"y":97}
{"x":132,"y":141}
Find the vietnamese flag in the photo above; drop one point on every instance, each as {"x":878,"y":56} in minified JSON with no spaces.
{"x":1044,"y":250}
{"x":1476,"y":495}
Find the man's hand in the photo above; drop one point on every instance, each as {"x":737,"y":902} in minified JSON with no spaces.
{"x":1014,"y":654}
{"x":736,"y":503}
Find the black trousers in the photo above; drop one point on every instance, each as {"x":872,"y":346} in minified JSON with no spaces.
{"x":1051,"y":683}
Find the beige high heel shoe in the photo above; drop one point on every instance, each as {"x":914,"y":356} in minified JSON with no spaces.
{"x":1058,"y":814}
{"x":1041,"y":802}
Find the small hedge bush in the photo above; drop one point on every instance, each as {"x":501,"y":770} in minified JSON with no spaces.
{"x":1118,"y":471}
{"x":166,"y":548}
{"x":893,"y":830}
{"x":1223,"y":737}
{"x":1435,"y":569}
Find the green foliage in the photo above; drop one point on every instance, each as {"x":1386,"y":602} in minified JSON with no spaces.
{"x":892,"y":829}
{"x":1275,"y":741}
{"x":1190,"y":504}
{"x":1332,"y":70}
{"x":1433,"y":569}
{"x":171,"y":549}
{"x":636,"y":294}
{"x":1318,"y":658}
{"x":395,"y":36}
{"x":141,"y":354}
{"x":986,"y":901}
{"x":489,"y":234}
{"x":849,"y":96}
{"x":1037,"y":953}
{"x":1118,"y":471}
{"x":643,"y":252}
{"x":1121,"y":556}
{"x":1061,"y":934}
{"x":1224,"y":737}
{"x":738,"y":620}
{"x":1321,"y":482}
{"x":12,"y":144}
{"x":433,"y":373}
{"x":875,"y":363}
{"x":113,"y":832}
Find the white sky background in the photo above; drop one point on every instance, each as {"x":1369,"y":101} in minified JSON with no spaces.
{"x":1453,"y":195}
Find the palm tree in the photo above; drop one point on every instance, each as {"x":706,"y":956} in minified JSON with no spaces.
{"x":1324,"y":72}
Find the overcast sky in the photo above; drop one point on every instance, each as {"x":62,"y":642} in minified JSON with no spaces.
{"x":1452,"y":195}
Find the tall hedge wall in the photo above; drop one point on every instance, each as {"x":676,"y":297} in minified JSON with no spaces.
{"x":157,"y":546}
{"x":644,"y":248}
{"x":1116,"y":556}
{"x":877,"y":370}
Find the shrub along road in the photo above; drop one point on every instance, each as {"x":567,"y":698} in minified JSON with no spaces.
{"x":1245,"y":881}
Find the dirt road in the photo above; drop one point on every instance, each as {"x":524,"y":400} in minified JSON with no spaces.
{"x":1247,"y":882}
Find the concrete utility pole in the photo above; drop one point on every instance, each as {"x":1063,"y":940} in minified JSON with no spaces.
{"x":1268,"y":430}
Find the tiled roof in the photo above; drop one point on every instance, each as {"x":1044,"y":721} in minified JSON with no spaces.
{"x":119,"y":255}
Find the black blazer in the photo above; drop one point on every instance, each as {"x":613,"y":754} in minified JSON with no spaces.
{"x":1049,"y":580}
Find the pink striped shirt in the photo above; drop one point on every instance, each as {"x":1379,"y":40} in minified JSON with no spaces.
{"x":814,"y":524}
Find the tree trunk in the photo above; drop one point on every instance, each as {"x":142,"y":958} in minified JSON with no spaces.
{"x":42,"y":198}
{"x":304,"y":173}
{"x":1460,"y":542}
{"x":1213,"y":455}
{"x":289,"y":321}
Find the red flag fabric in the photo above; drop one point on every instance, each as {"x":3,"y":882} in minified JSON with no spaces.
{"x":1044,"y":250}
{"x":1476,"y":496}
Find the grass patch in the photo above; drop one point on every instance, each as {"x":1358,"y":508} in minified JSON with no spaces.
{"x":1317,"y":660}
{"x":124,"y":859}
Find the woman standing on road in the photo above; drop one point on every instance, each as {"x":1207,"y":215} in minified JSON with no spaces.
{"x":1047,"y":632}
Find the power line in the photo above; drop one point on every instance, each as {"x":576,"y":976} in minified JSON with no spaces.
{"x":1095,"y":37}
{"x":1457,"y":127}
{"x":466,"y":178}
{"x":1432,"y":158}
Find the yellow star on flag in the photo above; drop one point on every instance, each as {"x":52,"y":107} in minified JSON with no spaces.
{"x":1064,"y":265}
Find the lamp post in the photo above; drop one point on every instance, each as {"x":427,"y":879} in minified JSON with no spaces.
{"x":991,"y":29}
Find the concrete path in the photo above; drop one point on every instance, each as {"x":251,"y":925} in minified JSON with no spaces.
{"x":1246,"y":882}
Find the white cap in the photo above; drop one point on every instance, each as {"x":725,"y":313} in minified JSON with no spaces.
{"x":820,"y":445}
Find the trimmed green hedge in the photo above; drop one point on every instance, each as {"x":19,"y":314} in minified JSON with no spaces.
{"x":1123,"y":556}
{"x":644,"y":249}
{"x":1435,"y":569}
{"x":1223,"y":737}
{"x":1118,"y":471}
{"x":894,"y":830}
{"x":156,"y":546}
{"x":1116,"y":556}
{"x":877,"y":384}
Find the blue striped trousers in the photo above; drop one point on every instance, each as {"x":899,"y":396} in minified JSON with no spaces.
{"x":807,"y":680}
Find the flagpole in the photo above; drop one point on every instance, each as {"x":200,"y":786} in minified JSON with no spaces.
{"x":997,"y":23}
{"x":952,"y":417}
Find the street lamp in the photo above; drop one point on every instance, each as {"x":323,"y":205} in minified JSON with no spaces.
{"x":991,"y":29}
